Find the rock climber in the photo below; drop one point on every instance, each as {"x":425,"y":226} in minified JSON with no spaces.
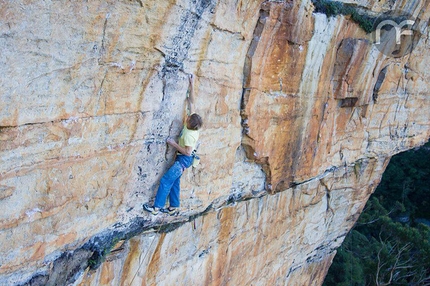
{"x":170,"y":182}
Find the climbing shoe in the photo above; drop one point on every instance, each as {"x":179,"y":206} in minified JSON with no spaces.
{"x":170,"y":211}
{"x":153,"y":210}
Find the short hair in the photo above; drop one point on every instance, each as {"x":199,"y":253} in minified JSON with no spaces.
{"x":195,"y":121}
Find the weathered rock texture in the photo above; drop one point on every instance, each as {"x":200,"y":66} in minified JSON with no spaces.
{"x":301,"y":115}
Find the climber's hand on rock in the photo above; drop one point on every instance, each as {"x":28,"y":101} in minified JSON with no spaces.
{"x":170,"y":141}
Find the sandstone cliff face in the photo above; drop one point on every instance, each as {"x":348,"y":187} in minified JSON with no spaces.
{"x":301,"y":115}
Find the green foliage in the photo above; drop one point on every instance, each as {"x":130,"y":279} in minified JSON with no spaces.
{"x":100,"y":254}
{"x":334,"y":8}
{"x":363,"y":20}
{"x":407,"y":181}
{"x":380,"y":249}
{"x":348,"y":268}
{"x":330,"y":8}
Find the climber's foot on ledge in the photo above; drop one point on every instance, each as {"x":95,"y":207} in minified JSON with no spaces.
{"x":170,"y":211}
{"x":153,"y":210}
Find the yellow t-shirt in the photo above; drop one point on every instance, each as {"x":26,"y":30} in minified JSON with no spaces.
{"x":188,"y":138}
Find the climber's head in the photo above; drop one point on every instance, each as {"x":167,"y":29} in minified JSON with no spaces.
{"x":194,"y":122}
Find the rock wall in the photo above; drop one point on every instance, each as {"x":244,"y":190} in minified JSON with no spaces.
{"x":301,"y":115}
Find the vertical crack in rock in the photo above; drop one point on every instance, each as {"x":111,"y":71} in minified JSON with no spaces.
{"x":140,"y":3}
{"x":100,"y":94}
{"x":176,"y":52}
{"x":378,"y":84}
{"x":329,"y":209}
{"x":247,"y":140}
{"x":102,"y":49}
{"x":264,"y":14}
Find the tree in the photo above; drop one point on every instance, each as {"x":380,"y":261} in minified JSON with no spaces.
{"x":381,"y":250}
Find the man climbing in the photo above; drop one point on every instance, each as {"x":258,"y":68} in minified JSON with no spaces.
{"x":170,"y":182}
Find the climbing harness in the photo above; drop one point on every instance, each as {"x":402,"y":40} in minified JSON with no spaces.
{"x":196,"y":159}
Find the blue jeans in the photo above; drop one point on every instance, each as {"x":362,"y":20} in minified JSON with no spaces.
{"x":170,"y":182}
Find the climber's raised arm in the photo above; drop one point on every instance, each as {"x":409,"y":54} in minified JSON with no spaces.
{"x":190,"y":95}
